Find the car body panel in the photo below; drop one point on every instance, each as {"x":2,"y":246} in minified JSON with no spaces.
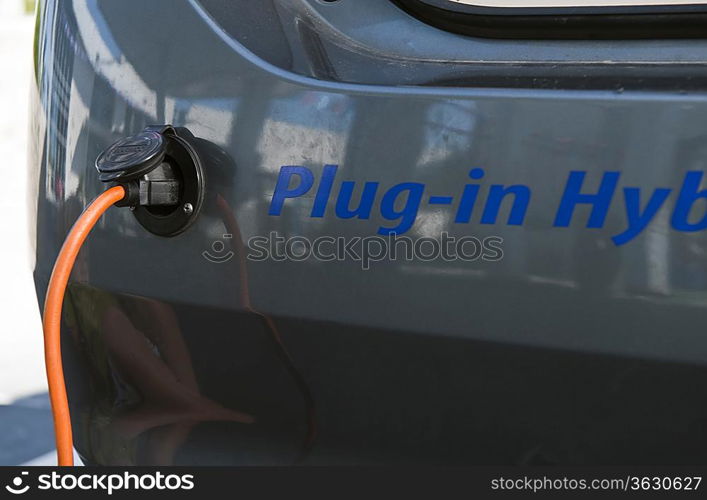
{"x":569,"y":350}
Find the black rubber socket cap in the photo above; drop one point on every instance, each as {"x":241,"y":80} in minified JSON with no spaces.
{"x":131,"y":157}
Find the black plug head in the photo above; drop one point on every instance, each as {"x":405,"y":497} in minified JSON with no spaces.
{"x":132,"y":157}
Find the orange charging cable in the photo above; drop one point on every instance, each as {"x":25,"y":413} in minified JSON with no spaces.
{"x":52,"y":319}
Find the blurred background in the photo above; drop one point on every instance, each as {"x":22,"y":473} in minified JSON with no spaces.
{"x":25,"y":416}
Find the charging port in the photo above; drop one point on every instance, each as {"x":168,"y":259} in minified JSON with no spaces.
{"x":162,"y":176}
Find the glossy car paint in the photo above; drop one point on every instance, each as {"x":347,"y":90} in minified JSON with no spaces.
{"x":570,"y":350}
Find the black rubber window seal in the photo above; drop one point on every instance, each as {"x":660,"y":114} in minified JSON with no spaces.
{"x":620,"y":22}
